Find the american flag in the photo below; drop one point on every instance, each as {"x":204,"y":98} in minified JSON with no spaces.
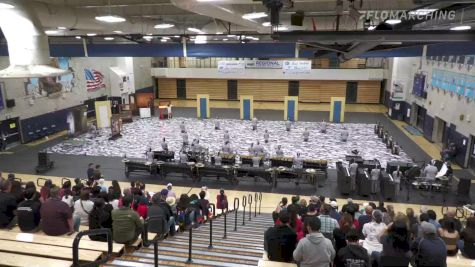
{"x":94,"y":79}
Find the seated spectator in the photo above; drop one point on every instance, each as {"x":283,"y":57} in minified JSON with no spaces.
{"x":8,"y":205}
{"x":450,"y":215}
{"x":126,"y":223}
{"x":204,"y":205}
{"x":389,"y":215}
{"x":350,"y":206}
{"x":116,"y":192}
{"x":140,"y":204}
{"x":32,"y":185}
{"x":76,"y":189}
{"x":56,"y":216}
{"x":185,"y":218}
{"x":16,"y":190}
{"x":82,"y":209}
{"x":450,"y":235}
{"x":411,"y":217}
{"x":161,"y":208}
{"x":314,"y":250}
{"x":44,"y":192}
{"x":113,"y":198}
{"x":280,"y":240}
{"x":352,"y":254}
{"x":395,"y":243}
{"x":466,"y":244}
{"x":171,"y":193}
{"x":430,"y":249}
{"x":365,"y":218}
{"x":99,"y":218}
{"x":416,"y":229}
{"x":328,"y":224}
{"x":28,"y":212}
{"x":97,"y":173}
{"x":433,"y":218}
{"x":65,"y":188}
{"x":339,"y":234}
{"x":372,"y":232}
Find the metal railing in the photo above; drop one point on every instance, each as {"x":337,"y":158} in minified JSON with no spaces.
{"x":250,"y":206}
{"x":158,"y":237}
{"x":236,"y":208}
{"x":211,"y":225}
{"x":256,"y":198}
{"x":260,"y":202}
{"x":77,"y":239}
{"x":40,"y":179}
{"x":244,"y":204}
{"x":63,"y":180}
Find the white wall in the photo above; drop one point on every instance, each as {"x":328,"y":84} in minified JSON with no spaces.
{"x":141,"y":68}
{"x":274,"y":74}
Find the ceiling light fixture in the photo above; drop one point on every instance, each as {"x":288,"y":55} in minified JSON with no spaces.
{"x":108,"y":38}
{"x":91,"y":34}
{"x":254,"y":15}
{"x":51,"y":32}
{"x":225,"y":39}
{"x":110,"y":19}
{"x":200,"y":39}
{"x":61,"y":28}
{"x":195,"y":30}
{"x":282,"y":28}
{"x":166,"y":38}
{"x":219,"y":33}
{"x":164,"y":26}
{"x":176,"y":36}
{"x":231,"y":35}
{"x":118,"y":32}
{"x":148,"y":38}
{"x":163,"y":40}
{"x":393,"y":21}
{"x":461,"y":28}
{"x":266,"y":24}
{"x":6,"y":6}
{"x":78,"y":37}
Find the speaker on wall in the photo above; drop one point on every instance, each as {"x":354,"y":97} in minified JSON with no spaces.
{"x":10,"y":103}
{"x":296,"y":19}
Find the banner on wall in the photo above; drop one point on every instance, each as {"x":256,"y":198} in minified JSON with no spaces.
{"x":457,"y":83}
{"x":297,"y":66}
{"x":264,"y":64}
{"x":94,"y":80}
{"x":231,"y":66}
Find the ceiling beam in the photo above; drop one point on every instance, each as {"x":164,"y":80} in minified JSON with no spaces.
{"x":439,"y":36}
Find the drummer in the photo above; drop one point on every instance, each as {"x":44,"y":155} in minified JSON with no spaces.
{"x":217,"y":159}
{"x":256,"y":161}
{"x":397,"y":175}
{"x":195,"y":146}
{"x":344,"y":134}
{"x":182,"y":126}
{"x":353,"y":172}
{"x":217,"y":125}
{"x":184,"y":135}
{"x":266,"y":136}
{"x":252,"y":149}
{"x":297,"y":166}
{"x":259,"y":149}
{"x":149,"y":154}
{"x":279,"y":152}
{"x":306,"y":135}
{"x":254,"y":124}
{"x":226,"y":136}
{"x":288,"y":124}
{"x":375,"y":174}
{"x":183,"y":157}
{"x":164,"y":145}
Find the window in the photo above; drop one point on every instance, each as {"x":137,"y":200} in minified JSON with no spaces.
{"x":232,"y":90}
{"x":181,"y":88}
{"x":293,"y":88}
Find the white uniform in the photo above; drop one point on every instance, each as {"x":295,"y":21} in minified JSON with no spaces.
{"x":306,"y":134}
{"x":298,"y":163}
{"x":430,"y":172}
{"x":254,"y":124}
{"x":279,"y":152}
{"x":182,"y":127}
{"x":375,"y":173}
{"x":217,"y":160}
{"x":164,"y":146}
{"x":183,"y":158}
{"x":185,"y":137}
{"x":266,"y":137}
{"x":353,"y":171}
{"x":288,"y":124}
{"x":397,"y":181}
{"x":256,"y":161}
{"x":226,"y":136}
{"x":344,"y":135}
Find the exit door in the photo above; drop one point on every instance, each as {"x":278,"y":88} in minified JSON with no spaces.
{"x":351,"y":92}
{"x":11,"y":129}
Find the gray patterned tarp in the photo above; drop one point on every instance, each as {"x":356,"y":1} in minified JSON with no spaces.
{"x":141,"y":134}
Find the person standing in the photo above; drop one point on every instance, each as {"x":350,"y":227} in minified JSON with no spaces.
{"x":254,"y":124}
{"x":279,"y":152}
{"x":217,"y":160}
{"x":183,"y":157}
{"x":353,"y":172}
{"x":90,"y":171}
{"x":164,"y":145}
{"x":182,"y":127}
{"x":352,"y":254}
{"x":222,"y":201}
{"x":375,"y":176}
{"x":430,"y":249}
{"x":430,"y":172}
{"x":324,"y":127}
{"x":266,"y":136}
{"x":217,"y":125}
{"x":288,"y":125}
{"x":3,"y":138}
{"x":227,"y":148}
{"x":397,"y":175}
{"x":184,"y":136}
{"x":344,"y":134}
{"x":373,"y":231}
{"x":280,"y":241}
{"x":226,"y":136}
{"x":297,"y":166}
{"x":170,"y":192}
{"x":306,"y":135}
{"x":169,"y":110}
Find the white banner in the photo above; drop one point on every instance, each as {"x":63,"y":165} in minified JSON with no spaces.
{"x":263,"y":64}
{"x":236,"y":66}
{"x":297,"y":66}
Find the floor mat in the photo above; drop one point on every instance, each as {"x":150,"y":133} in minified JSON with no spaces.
{"x":412,"y":130}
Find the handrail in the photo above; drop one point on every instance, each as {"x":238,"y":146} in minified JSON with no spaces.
{"x":62,"y":180}
{"x":40,"y":179}
{"x":244,"y":204}
{"x":256,"y":198}
{"x":77,"y":239}
{"x":236,"y":212}
{"x":145,"y":240}
{"x":260,"y":202}
{"x":250,"y":206}
{"x":211,"y":226}
{"x":190,"y":243}
{"x":225,"y":224}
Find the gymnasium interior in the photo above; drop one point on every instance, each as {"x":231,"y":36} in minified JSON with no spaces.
{"x":330,"y":102}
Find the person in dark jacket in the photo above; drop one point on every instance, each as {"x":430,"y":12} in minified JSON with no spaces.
{"x":430,"y":249}
{"x":99,"y":218}
{"x":8,"y":205}
{"x":161,"y":208}
{"x":466,"y":244}
{"x":28,"y":212}
{"x":280,"y":241}
{"x":204,"y":205}
{"x":90,"y":170}
{"x":353,"y":254}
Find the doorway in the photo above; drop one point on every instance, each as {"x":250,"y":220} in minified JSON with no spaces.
{"x":351,"y":92}
{"x":420,"y":118}
{"x":438,"y":130}
{"x":10,"y":127}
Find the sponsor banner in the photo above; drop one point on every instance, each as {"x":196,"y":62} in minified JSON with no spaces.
{"x":297,"y":66}
{"x":231,"y":66}
{"x":263,"y":64}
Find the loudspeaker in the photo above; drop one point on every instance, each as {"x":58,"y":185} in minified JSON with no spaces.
{"x":463,"y":189}
{"x":296,"y":19}
{"x":10,"y":103}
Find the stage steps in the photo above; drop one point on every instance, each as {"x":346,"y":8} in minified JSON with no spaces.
{"x":241,"y":248}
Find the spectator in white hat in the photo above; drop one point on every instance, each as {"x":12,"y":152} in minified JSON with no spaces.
{"x":170,"y":192}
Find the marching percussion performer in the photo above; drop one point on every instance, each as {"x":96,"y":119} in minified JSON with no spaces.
{"x":164,"y":144}
{"x":254,"y":124}
{"x":344,"y":134}
{"x":306,"y":134}
{"x":324,"y":127}
{"x":182,"y":126}
{"x":297,"y":165}
{"x":288,"y":124}
{"x":266,"y":136}
{"x":259,"y":149}
{"x":217,"y":125}
{"x":397,"y":175}
{"x":279,"y":152}
{"x":217,"y":159}
{"x":375,"y":174}
{"x":184,"y":135}
{"x":353,"y":169}
{"x":252,"y":149}
{"x":149,"y":155}
{"x":256,"y":161}
{"x":183,"y":157}
{"x":226,"y":148}
{"x":226,"y":136}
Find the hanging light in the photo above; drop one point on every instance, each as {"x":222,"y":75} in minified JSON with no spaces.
{"x":393,"y":21}
{"x":164,"y":26}
{"x":266,"y":24}
{"x":6,"y":6}
{"x":254,"y":15}
{"x":195,"y":30}
{"x":108,"y":38}
{"x":110,"y":19}
{"x":461,"y":28}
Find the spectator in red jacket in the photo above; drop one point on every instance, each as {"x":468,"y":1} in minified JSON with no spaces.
{"x":222,"y":201}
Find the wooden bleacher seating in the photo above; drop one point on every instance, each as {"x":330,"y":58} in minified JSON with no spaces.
{"x":267,"y":263}
{"x":11,"y":259}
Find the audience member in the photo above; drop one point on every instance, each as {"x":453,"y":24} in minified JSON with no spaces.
{"x":116,"y":192}
{"x":366,"y":217}
{"x":416,"y":229}
{"x":334,"y":211}
{"x":466,"y":244}
{"x":28,"y":212}
{"x":204,"y":205}
{"x":78,"y":186}
{"x":411,"y":217}
{"x":44,"y":192}
{"x":328,"y":224}
{"x":8,"y":205}
{"x":450,"y":215}
{"x":352,"y":254}
{"x":339,"y":234}
{"x":303,"y":207}
{"x":65,"y":188}
{"x":170,"y":191}
{"x":90,"y":170}
{"x":450,"y":235}
{"x":222,"y":201}
{"x":161,"y":208}
{"x":311,"y":212}
{"x":430,"y":249}
{"x":433,"y":218}
{"x":56,"y":216}
{"x":389,"y":215}
{"x":97,"y":173}
{"x":16,"y":190}
{"x":314,"y":250}
{"x":82,"y":209}
{"x":280,"y":240}
{"x":99,"y":218}
{"x":102,"y":185}
{"x":396,"y":244}
{"x":372,"y":232}
{"x":126,"y":224}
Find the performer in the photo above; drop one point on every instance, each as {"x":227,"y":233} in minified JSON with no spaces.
{"x":195,"y":146}
{"x":259,"y":149}
{"x":430,"y":171}
{"x":396,"y":149}
{"x":375,"y":173}
{"x":279,"y":152}
{"x":254,"y":124}
{"x":119,"y":124}
{"x":164,"y":145}
{"x":306,"y":134}
{"x":252,"y":150}
{"x":226,"y":136}
{"x":288,"y":124}
{"x":353,"y":172}
{"x":390,"y":142}
{"x":217,"y":125}
{"x":182,"y":127}
{"x":344,"y":134}
{"x":397,"y":175}
{"x":169,"y":110}
{"x":183,"y":157}
{"x":266,"y":136}
{"x":226,"y":148}
{"x":324,"y":127}
{"x":149,"y":154}
{"x":184,"y":135}
{"x":217,"y":160}
{"x":297,"y":165}
{"x":256,"y":161}
{"x":449,"y":153}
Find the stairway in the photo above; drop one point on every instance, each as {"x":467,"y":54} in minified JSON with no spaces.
{"x":242,"y":248}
